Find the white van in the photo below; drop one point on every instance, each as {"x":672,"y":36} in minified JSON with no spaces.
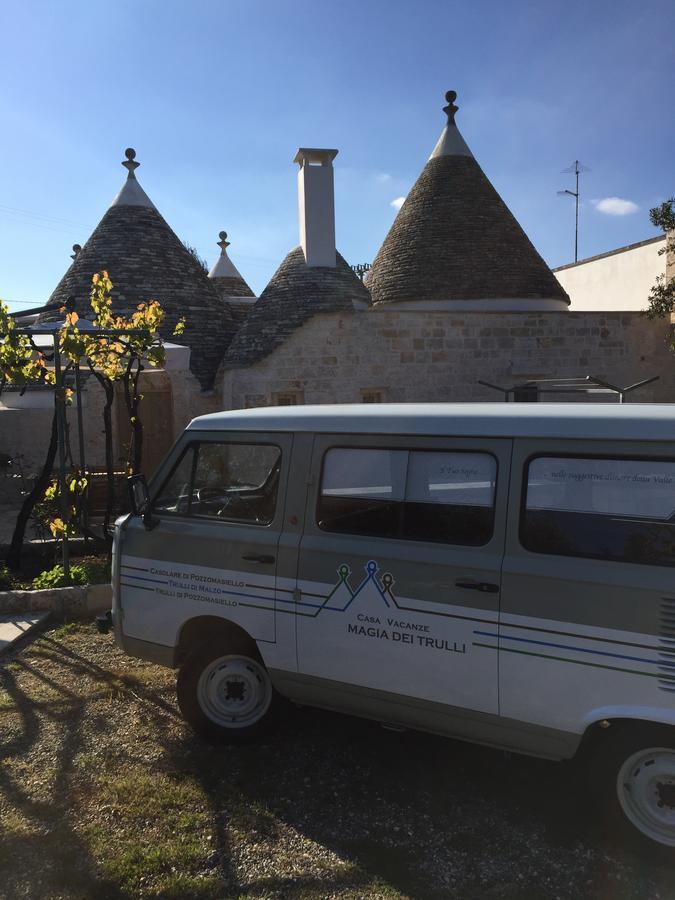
{"x":500,"y":573}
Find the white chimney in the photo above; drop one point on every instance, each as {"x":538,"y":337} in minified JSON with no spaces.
{"x":316,"y":204}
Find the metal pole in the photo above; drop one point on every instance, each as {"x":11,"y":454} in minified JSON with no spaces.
{"x":59,"y":400}
{"x":576,"y":220}
{"x":80,"y":435}
{"x":80,"y":427}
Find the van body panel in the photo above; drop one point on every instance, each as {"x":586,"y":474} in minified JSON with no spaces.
{"x":386,"y":613}
{"x":185,"y":567}
{"x":424,"y":715}
{"x":580,"y":635}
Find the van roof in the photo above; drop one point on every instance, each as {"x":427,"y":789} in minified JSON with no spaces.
{"x":633,"y":421}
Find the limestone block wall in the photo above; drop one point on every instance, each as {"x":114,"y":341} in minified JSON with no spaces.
{"x":25,"y":426}
{"x":440,"y":356}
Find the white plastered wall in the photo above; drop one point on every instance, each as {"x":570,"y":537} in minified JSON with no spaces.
{"x":618,"y":281}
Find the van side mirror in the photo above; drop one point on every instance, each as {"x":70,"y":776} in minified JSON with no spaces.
{"x":139,"y":499}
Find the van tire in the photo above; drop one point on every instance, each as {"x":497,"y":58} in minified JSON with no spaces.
{"x":632,"y":778}
{"x":225,"y":692}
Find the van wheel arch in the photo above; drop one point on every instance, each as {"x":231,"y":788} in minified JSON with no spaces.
{"x":603,"y":730}
{"x":202,"y":629}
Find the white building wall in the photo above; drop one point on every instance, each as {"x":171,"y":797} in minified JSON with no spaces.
{"x":617,"y":281}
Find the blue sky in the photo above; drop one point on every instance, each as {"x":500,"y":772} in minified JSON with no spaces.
{"x":217,"y":96}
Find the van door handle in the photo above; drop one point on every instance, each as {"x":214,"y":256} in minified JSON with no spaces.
{"x":259,"y":557}
{"x":486,"y":586}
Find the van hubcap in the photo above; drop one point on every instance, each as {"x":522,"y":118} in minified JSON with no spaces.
{"x":234,"y":691}
{"x":646,"y":790}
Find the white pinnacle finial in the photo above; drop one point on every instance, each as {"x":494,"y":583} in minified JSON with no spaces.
{"x":132,"y":194}
{"x":130,"y":163}
{"x":451,"y":142}
{"x":224,"y":267}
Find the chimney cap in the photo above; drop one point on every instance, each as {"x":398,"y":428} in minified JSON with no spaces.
{"x":314,"y":156}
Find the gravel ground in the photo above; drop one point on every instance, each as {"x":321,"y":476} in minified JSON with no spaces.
{"x":104,"y":792}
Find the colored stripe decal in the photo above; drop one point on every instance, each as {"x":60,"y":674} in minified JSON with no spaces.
{"x":579,"y":662}
{"x":574,"y":634}
{"x":576,"y":649}
{"x":143,"y":578}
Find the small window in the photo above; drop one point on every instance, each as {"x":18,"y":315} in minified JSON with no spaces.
{"x":233,"y":482}
{"x":373,"y":395}
{"x":616,"y":509}
{"x":432,"y":496}
{"x":288,"y":398}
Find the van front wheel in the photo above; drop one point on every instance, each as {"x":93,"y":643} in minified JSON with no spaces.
{"x":635,"y":773}
{"x":225,"y":692}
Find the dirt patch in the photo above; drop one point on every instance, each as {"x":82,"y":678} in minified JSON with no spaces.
{"x":104,"y":792}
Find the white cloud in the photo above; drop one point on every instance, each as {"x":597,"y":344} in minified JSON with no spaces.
{"x":382,"y":177}
{"x":616,"y":206}
{"x":398,"y":202}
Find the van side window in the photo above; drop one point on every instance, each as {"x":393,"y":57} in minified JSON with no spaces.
{"x":362,"y":490}
{"x":450,"y":497}
{"x":616,"y":509}
{"x":418,"y":495}
{"x":232,"y":482}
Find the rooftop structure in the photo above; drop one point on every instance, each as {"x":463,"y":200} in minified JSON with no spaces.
{"x":455,"y":244}
{"x":225,"y":275}
{"x":147,"y":261}
{"x":313,"y":278}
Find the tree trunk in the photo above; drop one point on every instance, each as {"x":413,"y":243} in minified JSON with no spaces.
{"x":36,"y":494}
{"x":133,"y":402}
{"x":109,"y":459}
{"x":109,"y":390}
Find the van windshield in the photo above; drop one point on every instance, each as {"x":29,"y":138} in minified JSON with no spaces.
{"x":228,"y":481}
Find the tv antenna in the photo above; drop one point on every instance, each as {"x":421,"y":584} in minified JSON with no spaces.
{"x":575,"y":169}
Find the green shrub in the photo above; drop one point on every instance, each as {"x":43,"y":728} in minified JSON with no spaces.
{"x":6,"y":578}
{"x":84,"y":573}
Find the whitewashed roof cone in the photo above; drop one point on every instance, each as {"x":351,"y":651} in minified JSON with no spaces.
{"x":132,"y":194}
{"x":225,"y":275}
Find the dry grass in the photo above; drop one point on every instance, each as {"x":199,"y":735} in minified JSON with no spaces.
{"x":105,"y":793}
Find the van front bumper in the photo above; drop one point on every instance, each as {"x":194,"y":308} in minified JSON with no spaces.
{"x":159,"y":654}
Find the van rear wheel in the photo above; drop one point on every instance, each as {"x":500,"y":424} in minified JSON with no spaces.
{"x":225,"y":692}
{"x":634,"y":773}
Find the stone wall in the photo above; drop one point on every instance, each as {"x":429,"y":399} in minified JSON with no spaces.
{"x":440,"y":356}
{"x":25,"y":427}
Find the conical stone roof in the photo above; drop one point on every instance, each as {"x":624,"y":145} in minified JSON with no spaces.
{"x":147,"y":261}
{"x":455,"y":244}
{"x":295,"y":293}
{"x":225,"y":276}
